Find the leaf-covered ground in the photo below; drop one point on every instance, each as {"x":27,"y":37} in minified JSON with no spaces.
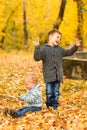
{"x":72,"y":110}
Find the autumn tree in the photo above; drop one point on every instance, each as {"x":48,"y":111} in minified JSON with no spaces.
{"x":58,"y":21}
{"x":25,"y":26}
{"x":7,"y":23}
{"x":24,"y":21}
{"x":79,"y":34}
{"x":60,"y":15}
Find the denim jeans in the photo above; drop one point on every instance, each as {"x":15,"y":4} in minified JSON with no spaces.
{"x":22,"y":111}
{"x":52,"y":93}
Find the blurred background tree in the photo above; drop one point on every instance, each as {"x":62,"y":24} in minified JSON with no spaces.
{"x":25,"y":25}
{"x":80,"y":6}
{"x":23,"y":21}
{"x":60,"y":14}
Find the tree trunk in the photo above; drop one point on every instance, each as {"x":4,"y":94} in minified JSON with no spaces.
{"x":60,"y":15}
{"x":25,"y":26}
{"x":57,"y":23}
{"x":6,"y":25}
{"x":80,"y":22}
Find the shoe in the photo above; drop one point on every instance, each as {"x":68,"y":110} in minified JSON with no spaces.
{"x":49,"y":107}
{"x":55,"y":108}
{"x":11,"y":113}
{"x":5,"y":112}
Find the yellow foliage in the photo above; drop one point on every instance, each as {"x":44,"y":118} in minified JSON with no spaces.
{"x":40,"y":16}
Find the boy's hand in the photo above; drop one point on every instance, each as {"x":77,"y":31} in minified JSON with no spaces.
{"x":36,"y":43}
{"x":78,"y":42}
{"x":19,"y":97}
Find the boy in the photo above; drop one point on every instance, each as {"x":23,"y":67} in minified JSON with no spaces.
{"x":51,"y":55}
{"x":33,"y":97}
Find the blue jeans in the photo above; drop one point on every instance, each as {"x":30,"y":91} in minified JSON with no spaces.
{"x":52,"y":94}
{"x":22,"y":111}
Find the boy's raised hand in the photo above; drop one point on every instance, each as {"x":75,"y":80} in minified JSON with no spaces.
{"x":36,"y":43}
{"x":78,"y":42}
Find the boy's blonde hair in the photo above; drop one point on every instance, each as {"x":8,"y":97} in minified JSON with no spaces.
{"x":31,"y":77}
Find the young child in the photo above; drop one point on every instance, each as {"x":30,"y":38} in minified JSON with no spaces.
{"x":51,"y":55}
{"x":33,"y":97}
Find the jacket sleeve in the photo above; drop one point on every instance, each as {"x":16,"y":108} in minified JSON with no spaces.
{"x":27,"y":98}
{"x":30,"y":97}
{"x":71,"y":51}
{"x":39,"y":53}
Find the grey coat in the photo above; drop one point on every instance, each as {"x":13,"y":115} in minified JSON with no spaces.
{"x":52,"y":60}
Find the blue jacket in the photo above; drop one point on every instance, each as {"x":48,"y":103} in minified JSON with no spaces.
{"x":52,"y":60}
{"x":33,"y":97}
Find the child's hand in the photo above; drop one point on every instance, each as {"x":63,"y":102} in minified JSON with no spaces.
{"x":19,"y":97}
{"x":78,"y":42}
{"x":36,"y":43}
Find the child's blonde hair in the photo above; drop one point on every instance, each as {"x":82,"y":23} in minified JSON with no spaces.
{"x":31,"y":77}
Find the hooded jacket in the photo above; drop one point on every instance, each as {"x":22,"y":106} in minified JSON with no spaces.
{"x":33,"y":97}
{"x":52,"y":60}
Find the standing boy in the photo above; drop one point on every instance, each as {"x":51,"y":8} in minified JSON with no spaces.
{"x":51,"y":55}
{"x":33,"y":97}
